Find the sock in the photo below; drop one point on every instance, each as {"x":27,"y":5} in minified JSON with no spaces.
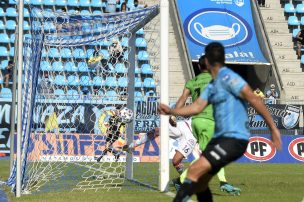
{"x":221,"y":175}
{"x":205,"y":196}
{"x":179,"y":168}
{"x":185,"y":191}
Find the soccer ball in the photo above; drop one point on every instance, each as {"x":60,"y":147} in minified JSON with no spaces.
{"x":126,"y":115}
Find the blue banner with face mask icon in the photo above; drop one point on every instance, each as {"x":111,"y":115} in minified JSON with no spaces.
{"x":229,"y":22}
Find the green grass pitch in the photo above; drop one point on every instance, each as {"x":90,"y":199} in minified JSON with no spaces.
{"x":259,"y":183}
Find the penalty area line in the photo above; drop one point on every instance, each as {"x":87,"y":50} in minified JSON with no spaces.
{"x":172,"y":195}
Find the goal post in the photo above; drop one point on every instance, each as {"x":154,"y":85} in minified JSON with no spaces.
{"x":68,"y":53}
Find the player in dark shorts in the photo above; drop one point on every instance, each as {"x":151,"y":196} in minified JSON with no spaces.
{"x":300,"y":42}
{"x":229,"y":94}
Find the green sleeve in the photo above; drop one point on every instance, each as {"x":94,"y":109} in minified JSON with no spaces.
{"x":189,"y":85}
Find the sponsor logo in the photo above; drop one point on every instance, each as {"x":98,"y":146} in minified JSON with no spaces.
{"x":296,"y":149}
{"x":207,"y":25}
{"x":292,"y":117}
{"x":260,"y":149}
{"x":239,"y":3}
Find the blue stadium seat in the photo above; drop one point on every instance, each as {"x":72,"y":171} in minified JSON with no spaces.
{"x":3,"y":64}
{"x":120,"y":68}
{"x":71,"y":12}
{"x":149,"y":83}
{"x":26,"y":25}
{"x":2,"y":13}
{"x":26,"y":13}
{"x":48,"y":13}
{"x":26,"y":36}
{"x":66,"y":53}
{"x":124,"y":42}
{"x":73,"y":80}
{"x":79,"y":53}
{"x":146,"y":69}
{"x":4,"y":38}
{"x":12,"y":51}
{"x":57,"y":66}
{"x":289,"y":8}
{"x":126,"y":56}
{"x":97,"y":81}
{"x":296,"y":31}
{"x":72,"y":94}
{"x":11,"y":12}
{"x":85,"y":81}
{"x":138,"y":83}
{"x":123,"y":82}
{"x":53,"y":52}
{"x":111,"y":96}
{"x":45,"y":66}
{"x":111,"y":82}
{"x":49,"y":2}
{"x":11,"y":25}
{"x":105,"y":54}
{"x":140,"y":43}
{"x":140,"y":32}
{"x":293,"y":21}
{"x":12,"y":38}
{"x":85,"y":3}
{"x":302,"y":59}
{"x":90,"y":53}
{"x":73,"y":2}
{"x":70,"y":67}
{"x":137,"y":70}
{"x":2,"y":26}
{"x":59,"y":93}
{"x":6,"y":93}
{"x":49,"y":26}
{"x":138,"y":96}
{"x":300,"y":8}
{"x":3,"y":51}
{"x":37,"y":2}
{"x":104,"y":43}
{"x":83,"y":67}
{"x":96,"y":3}
{"x":60,"y":80}
{"x":97,"y":12}
{"x":61,"y":2}
{"x":150,"y":93}
{"x":143,"y":56}
{"x":85,"y":12}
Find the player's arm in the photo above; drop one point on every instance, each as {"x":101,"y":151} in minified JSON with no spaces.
{"x":247,"y":94}
{"x":183,"y":98}
{"x":189,"y":110}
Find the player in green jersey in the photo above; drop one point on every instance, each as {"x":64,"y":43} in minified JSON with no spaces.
{"x":202,"y":123}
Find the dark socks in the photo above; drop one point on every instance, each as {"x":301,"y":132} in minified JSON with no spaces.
{"x":205,"y":196}
{"x":185,"y":191}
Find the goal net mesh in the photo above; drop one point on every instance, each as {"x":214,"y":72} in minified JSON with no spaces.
{"x":75,"y":81}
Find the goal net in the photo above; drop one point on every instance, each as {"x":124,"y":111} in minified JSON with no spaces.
{"x":79,"y":72}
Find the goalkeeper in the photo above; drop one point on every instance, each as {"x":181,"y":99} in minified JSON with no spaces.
{"x":116,"y":124}
{"x":202,"y":123}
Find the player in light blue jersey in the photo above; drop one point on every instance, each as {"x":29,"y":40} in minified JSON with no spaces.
{"x":228,"y":93}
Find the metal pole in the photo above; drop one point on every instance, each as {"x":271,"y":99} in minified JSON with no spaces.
{"x":19,"y":118}
{"x":130,"y":104}
{"x":164,"y":95}
{"x":13,"y":104}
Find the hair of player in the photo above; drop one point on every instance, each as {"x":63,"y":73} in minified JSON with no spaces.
{"x":215,"y":53}
{"x":202,"y":64}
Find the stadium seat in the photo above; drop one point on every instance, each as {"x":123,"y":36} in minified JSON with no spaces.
{"x":85,"y":3}
{"x":83,"y":67}
{"x":10,"y":25}
{"x":143,"y":56}
{"x":3,"y":51}
{"x":120,"y":68}
{"x":57,"y":66}
{"x":111,"y":82}
{"x":2,"y":13}
{"x":126,"y":56}
{"x":4,"y":38}
{"x":66,"y":53}
{"x":70,"y":67}
{"x":123,"y":82}
{"x":146,"y":69}
{"x":138,"y":83}
{"x":12,"y":38}
{"x":111,"y":96}
{"x":90,"y":53}
{"x":73,"y":2}
{"x":26,"y":26}
{"x":140,"y":32}
{"x":72,"y":94}
{"x":12,"y":51}
{"x":45,"y":66}
{"x":2,"y":26}
{"x":124,"y":42}
{"x":302,"y":20}
{"x":3,"y":64}
{"x":295,"y":32}
{"x":302,"y":59}
{"x":11,"y":12}
{"x":149,"y":83}
{"x":49,"y":26}
{"x":85,"y":12}
{"x":138,"y":96}
{"x":289,"y":8}
{"x":26,"y":13}
{"x":59,"y":93}
{"x":96,"y":3}
{"x":79,"y":53}
{"x":137,"y":70}
{"x":49,"y":2}
{"x":61,"y":2}
{"x":85,"y":81}
{"x":60,"y":80}
{"x":105,"y":54}
{"x":104,"y":43}
{"x":71,"y":12}
{"x":97,"y":81}
{"x":300,"y":8}
{"x":293,"y":21}
{"x":140,"y":43}
{"x":53,"y":52}
{"x":6,"y":93}
{"x":73,"y":80}
{"x":37,"y":2}
{"x":97,"y":12}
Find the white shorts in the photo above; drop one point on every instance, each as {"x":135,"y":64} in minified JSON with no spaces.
{"x":186,"y":146}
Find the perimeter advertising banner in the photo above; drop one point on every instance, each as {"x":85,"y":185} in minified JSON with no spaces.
{"x":227,"y":21}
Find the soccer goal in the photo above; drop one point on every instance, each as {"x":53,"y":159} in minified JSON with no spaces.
{"x":78,"y":72}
